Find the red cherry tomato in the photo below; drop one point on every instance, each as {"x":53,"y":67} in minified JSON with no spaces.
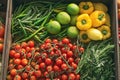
{"x":48,"y":40}
{"x":81,"y":49}
{"x":29,"y":55}
{"x":13,"y":72}
{"x":17,"y":47}
{"x":64,"y":77}
{"x":1,"y":40}
{"x":59,"y":62}
{"x":24,"y":75}
{"x":24,"y":62}
{"x":36,"y":66}
{"x":19,"y":67}
{"x":69,"y":53}
{"x":33,"y":78}
{"x":1,"y":47}
{"x":42,"y":65}
{"x":17,"y":77}
{"x":17,"y":61}
{"x":28,"y":68}
{"x":37,"y":73}
{"x":10,"y":66}
{"x":17,"y":55}
{"x":49,"y":68}
{"x":72,"y":76}
{"x":24,"y":44}
{"x":70,"y":59}
{"x":31,"y":44}
{"x":77,"y":77}
{"x":65,"y":40}
{"x":48,"y":61}
{"x":55,"y":41}
{"x":64,"y":66}
{"x":46,"y":74}
{"x":11,"y":53}
{"x":56,"y":68}
{"x":2,"y":30}
{"x":74,"y":65}
{"x":9,"y":77}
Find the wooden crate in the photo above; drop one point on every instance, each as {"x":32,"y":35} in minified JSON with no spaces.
{"x":112,"y":5}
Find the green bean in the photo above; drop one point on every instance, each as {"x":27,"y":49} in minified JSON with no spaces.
{"x":26,"y":22}
{"x":39,"y":20}
{"x":22,"y":27}
{"x":37,"y":38}
{"x":28,"y":14}
{"x":21,"y":16}
{"x":14,"y":33}
{"x":18,"y":10}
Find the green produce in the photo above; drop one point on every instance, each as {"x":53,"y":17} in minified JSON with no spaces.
{"x":53,"y":27}
{"x":29,"y":19}
{"x":97,"y":61}
{"x":73,"y":20}
{"x":73,"y":9}
{"x":72,"y":32}
{"x":63,"y":17}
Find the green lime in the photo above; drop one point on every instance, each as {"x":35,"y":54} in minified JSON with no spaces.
{"x":73,"y":9}
{"x":63,"y":17}
{"x":73,"y":20}
{"x":53,"y":27}
{"x":72,"y":32}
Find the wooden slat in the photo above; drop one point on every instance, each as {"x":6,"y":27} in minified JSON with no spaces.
{"x":7,"y":41}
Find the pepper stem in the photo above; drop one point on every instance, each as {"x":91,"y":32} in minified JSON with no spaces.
{"x":104,"y":32}
{"x":84,"y":36}
{"x":100,"y":16}
{"x":85,"y":7}
{"x":83,"y":21}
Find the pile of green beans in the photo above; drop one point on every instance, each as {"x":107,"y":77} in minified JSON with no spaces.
{"x":29,"y":20}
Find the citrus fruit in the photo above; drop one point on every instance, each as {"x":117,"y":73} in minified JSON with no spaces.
{"x":73,"y":9}
{"x":94,"y":34}
{"x":63,"y":17}
{"x":73,"y":20}
{"x":72,"y":32}
{"x":53,"y":27}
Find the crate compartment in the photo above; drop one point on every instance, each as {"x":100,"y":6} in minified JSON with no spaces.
{"x":113,"y":30}
{"x":3,"y":10}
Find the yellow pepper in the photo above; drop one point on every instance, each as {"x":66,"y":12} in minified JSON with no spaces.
{"x":98,"y":18}
{"x":100,"y":7}
{"x":105,"y":30}
{"x":84,"y":37}
{"x":83,"y":22}
{"x":86,"y":7}
{"x":107,"y":20}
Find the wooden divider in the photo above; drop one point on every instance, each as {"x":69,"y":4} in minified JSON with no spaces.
{"x":7,"y":40}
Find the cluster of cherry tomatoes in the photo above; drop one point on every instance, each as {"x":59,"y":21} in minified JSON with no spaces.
{"x":54,"y":59}
{"x":2,"y":30}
